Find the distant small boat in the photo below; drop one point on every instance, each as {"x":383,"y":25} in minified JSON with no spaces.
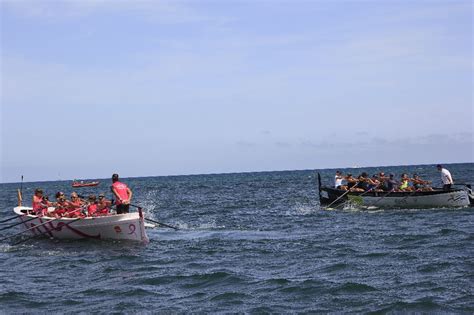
{"x":82,"y":184}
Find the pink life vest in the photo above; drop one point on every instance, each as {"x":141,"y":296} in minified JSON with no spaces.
{"x":122,"y":191}
{"x":74,"y":204}
{"x":37,"y":205}
{"x":92,"y":209}
{"x":103,"y":207}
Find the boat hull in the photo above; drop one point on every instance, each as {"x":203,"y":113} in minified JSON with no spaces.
{"x":128,"y":226}
{"x":92,"y":184}
{"x":428,"y":199}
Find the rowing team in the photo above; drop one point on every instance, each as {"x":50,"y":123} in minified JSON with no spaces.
{"x":380,"y":182}
{"x":74,"y":208}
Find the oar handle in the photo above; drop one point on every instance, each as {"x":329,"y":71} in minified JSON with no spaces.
{"x":13,"y":225}
{"x":9,"y":219}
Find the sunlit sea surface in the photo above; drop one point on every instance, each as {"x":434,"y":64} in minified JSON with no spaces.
{"x":252,"y":243}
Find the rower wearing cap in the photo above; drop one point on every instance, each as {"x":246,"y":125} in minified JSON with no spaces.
{"x":122,"y":193}
{"x":103,"y":205}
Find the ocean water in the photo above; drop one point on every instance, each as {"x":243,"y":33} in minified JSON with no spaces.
{"x":252,"y":243}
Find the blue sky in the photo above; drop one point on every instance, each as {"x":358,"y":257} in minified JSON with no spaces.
{"x":147,"y":88}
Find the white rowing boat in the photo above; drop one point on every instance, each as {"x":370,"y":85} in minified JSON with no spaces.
{"x":129,"y":226}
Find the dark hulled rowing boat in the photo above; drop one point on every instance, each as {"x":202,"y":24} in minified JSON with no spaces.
{"x":438,"y":198}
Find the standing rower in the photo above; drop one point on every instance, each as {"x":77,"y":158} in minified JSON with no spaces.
{"x":122,"y":194}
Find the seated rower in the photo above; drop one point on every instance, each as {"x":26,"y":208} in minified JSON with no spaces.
{"x":374,"y":183}
{"x":75,"y":206}
{"x":382,"y":178}
{"x":390,"y":184}
{"x":75,"y":200}
{"x":61,"y":206}
{"x":419,"y":184}
{"x":92,"y":206}
{"x":38,"y":203}
{"x":103,"y":206}
{"x":404,"y":183}
{"x":47,"y":203}
{"x":351,"y":182}
{"x":363,"y":183}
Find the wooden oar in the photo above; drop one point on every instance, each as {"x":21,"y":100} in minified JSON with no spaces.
{"x":159,"y":223}
{"x":348,"y":191}
{"x":9,"y":219}
{"x":36,"y":226}
{"x":13,"y":225}
{"x":162,"y":224}
{"x":42,"y":233}
{"x":371,"y":189}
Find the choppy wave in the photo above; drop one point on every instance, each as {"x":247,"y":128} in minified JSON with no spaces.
{"x":249,"y":243}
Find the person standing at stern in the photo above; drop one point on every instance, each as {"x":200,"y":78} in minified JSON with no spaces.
{"x":445,"y":177}
{"x":122,"y":194}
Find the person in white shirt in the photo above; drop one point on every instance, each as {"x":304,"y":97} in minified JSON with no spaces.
{"x":338,"y":180}
{"x":445,"y":177}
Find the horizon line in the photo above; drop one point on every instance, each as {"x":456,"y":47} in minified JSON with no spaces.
{"x":241,"y":172}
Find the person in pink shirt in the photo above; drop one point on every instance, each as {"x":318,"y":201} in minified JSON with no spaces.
{"x":74,"y":207}
{"x":122,"y":194}
{"x":103,"y":206}
{"x":38,"y":204}
{"x":92,"y":206}
{"x":61,"y":206}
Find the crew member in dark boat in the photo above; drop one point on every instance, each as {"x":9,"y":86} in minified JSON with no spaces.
{"x":445,"y":177}
{"x":390,"y":183}
{"x":363,"y":182}
{"x":351,"y":182}
{"x":338,"y":180}
{"x":420,"y":184}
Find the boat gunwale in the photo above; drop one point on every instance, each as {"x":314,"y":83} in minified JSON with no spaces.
{"x":389,"y":194}
{"x":109,"y":219}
